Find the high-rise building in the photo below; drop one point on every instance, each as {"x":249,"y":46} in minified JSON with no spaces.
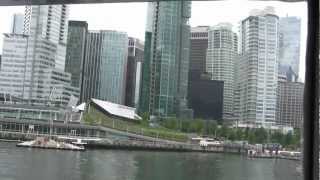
{"x":33,"y":63}
{"x":205,"y":97}
{"x":48,"y":23}
{"x":289,"y":54}
{"x":198,"y":49}
{"x":164,"y":87}
{"x":290,"y":104}
{"x":77,"y":36}
{"x":258,"y":69}
{"x":17,"y":24}
{"x":105,"y":66}
{"x":133,"y":74}
{"x":12,"y":72}
{"x":221,"y":54}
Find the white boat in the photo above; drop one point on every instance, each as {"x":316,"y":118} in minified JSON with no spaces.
{"x":210,"y":142}
{"x":46,"y":143}
{"x":79,"y":143}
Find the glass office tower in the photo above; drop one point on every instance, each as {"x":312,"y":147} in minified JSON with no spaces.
{"x":105,"y":66}
{"x":164,"y":87}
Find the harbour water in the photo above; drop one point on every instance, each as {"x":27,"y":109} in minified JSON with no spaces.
{"x":38,"y":164}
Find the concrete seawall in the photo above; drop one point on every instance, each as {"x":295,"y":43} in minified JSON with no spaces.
{"x":156,"y":146}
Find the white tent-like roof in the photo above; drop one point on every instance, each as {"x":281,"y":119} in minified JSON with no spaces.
{"x":117,"y":109}
{"x":81,"y":107}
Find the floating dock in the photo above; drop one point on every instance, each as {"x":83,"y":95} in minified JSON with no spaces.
{"x":46,"y":143}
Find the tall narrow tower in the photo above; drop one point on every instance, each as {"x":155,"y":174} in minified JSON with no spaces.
{"x":258,"y":68}
{"x":164,"y":87}
{"x":76,"y":48}
{"x":105,"y":66}
{"x":289,"y":57}
{"x":221,"y":54}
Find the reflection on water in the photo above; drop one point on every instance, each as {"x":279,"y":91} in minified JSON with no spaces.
{"x":30,"y":164}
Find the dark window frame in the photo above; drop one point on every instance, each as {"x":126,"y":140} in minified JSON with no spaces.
{"x":311,"y":96}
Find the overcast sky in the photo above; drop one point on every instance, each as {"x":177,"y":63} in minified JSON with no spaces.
{"x":131,"y":17}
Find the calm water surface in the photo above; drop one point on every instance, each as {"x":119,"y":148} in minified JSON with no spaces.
{"x":39,"y":164}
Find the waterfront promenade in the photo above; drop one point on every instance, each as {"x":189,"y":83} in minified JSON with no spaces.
{"x":11,"y":129}
{"x":99,"y":137}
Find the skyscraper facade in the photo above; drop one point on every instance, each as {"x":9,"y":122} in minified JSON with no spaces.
{"x":105,"y":66}
{"x":168,"y":37}
{"x":17,"y":24}
{"x":48,"y":23}
{"x":77,"y":36}
{"x":290,"y":104}
{"x":12,"y":70}
{"x":40,"y":56}
{"x":258,"y":69}
{"x":205,"y":97}
{"x":133,"y":74}
{"x":198,"y":49}
{"x":221,"y":54}
{"x":289,"y":56}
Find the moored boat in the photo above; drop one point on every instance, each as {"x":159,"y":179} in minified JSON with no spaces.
{"x":47,"y":143}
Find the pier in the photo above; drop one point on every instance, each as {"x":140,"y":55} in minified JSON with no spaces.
{"x":15,"y":129}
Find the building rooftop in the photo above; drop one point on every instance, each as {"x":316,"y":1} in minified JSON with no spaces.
{"x":117,"y":109}
{"x":199,"y":29}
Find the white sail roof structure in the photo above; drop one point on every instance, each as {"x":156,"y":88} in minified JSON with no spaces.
{"x":81,"y":107}
{"x":117,"y":109}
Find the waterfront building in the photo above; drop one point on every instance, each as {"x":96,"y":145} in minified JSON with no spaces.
{"x":290,"y":104}
{"x":167,"y":48}
{"x":105,"y":66}
{"x":289,"y":44}
{"x":133,"y":74}
{"x":76,"y":43}
{"x":17,"y":24}
{"x":258,"y":69}
{"x":221,"y":54}
{"x":205,"y":97}
{"x":33,"y":63}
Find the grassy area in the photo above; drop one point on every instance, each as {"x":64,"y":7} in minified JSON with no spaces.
{"x":95,"y":117}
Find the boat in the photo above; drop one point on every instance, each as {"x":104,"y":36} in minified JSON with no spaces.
{"x":79,"y":142}
{"x":47,"y":143}
{"x":210,"y":142}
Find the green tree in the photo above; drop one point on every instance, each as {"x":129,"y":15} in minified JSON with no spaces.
{"x":246,"y":133}
{"x":261,"y":135}
{"x":240,"y":134}
{"x":197,"y":126}
{"x":185,"y":126}
{"x":288,"y":139}
{"x":232,"y":134}
{"x":297,"y":138}
{"x":170,"y":123}
{"x":145,"y":119}
{"x":276,"y":137}
{"x":223,"y":131}
{"x":212,"y":128}
{"x":251,"y":137}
